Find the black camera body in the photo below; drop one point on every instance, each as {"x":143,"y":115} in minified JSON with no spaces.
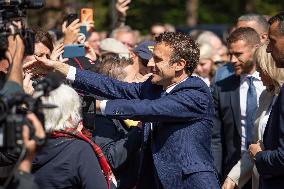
{"x":13,"y":111}
{"x":13,"y":116}
{"x":15,"y":10}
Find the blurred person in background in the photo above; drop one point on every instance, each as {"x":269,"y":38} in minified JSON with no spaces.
{"x":213,"y":40}
{"x":94,"y":41}
{"x":125,"y":35}
{"x":272,"y":78}
{"x":257,"y":22}
{"x":205,"y":68}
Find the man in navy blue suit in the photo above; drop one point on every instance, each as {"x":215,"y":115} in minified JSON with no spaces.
{"x":176,"y":109}
{"x":269,"y":156}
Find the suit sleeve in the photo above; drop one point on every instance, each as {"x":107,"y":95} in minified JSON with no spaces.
{"x":104,"y":86}
{"x":184,"y":105}
{"x":216,"y":146}
{"x":271,"y":162}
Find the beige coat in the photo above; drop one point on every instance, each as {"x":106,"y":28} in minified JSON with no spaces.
{"x":245,"y":168}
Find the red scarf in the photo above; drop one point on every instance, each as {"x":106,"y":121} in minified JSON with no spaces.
{"x":86,"y":135}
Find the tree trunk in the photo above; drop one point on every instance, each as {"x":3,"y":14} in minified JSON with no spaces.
{"x":192,"y":12}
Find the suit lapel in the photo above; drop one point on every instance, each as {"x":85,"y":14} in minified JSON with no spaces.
{"x":235,"y":104}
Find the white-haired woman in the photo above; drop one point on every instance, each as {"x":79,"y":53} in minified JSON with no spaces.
{"x":273,"y":78}
{"x":70,"y":159}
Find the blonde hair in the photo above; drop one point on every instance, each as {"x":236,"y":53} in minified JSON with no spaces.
{"x":68,"y":111}
{"x":266,"y":63}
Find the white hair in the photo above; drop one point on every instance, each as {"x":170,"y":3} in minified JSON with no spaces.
{"x":68,"y":112}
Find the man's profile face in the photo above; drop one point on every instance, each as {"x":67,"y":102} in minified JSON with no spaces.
{"x":163,"y":72}
{"x":241,"y":56}
{"x":276,"y":44}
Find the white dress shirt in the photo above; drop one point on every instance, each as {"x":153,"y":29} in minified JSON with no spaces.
{"x":244,"y":86}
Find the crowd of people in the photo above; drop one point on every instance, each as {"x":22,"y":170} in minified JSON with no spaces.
{"x":167,"y":110}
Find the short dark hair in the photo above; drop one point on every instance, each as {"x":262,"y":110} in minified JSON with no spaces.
{"x":279,"y":18}
{"x":43,"y":37}
{"x":247,"y":34}
{"x":183,"y":46}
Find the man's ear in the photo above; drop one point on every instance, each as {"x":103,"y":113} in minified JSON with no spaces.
{"x":180,"y":65}
{"x":264,"y":36}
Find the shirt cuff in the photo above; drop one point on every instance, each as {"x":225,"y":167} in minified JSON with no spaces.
{"x":103,"y":106}
{"x":71,"y":74}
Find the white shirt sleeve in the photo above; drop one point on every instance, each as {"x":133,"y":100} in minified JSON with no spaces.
{"x":71,"y":74}
{"x":103,"y":106}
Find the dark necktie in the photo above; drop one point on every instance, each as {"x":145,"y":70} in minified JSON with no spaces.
{"x":250,"y":110}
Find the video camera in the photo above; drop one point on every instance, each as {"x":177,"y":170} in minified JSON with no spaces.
{"x":13,"y":111}
{"x":15,"y":10}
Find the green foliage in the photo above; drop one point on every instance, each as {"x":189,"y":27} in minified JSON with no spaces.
{"x":143,"y":13}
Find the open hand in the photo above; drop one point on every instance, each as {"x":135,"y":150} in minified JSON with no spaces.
{"x":122,"y":6}
{"x":57,"y":51}
{"x":71,"y":32}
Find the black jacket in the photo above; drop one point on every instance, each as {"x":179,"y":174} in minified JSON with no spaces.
{"x":121,"y":147}
{"x":68,"y":163}
{"x":226,"y":137}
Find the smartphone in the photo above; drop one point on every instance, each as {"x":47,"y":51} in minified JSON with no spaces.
{"x":71,"y":17}
{"x":72,"y":51}
{"x":83,"y":30}
{"x":86,"y":14}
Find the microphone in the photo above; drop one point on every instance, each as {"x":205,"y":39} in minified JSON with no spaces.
{"x":50,"y":82}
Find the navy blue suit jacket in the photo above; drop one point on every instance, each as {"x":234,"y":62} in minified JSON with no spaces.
{"x":182,"y":122}
{"x":270,"y":163}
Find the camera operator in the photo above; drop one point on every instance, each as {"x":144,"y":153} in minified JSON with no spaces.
{"x":20,"y":176}
{"x":14,"y":55}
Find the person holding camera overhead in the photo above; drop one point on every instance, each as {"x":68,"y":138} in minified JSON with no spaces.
{"x":18,"y":176}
